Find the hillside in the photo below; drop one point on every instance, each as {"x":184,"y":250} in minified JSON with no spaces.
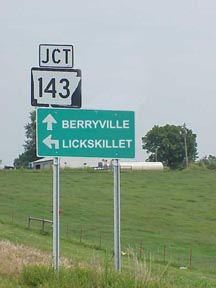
{"x":167,"y":218}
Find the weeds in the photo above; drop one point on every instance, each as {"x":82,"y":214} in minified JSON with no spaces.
{"x":32,"y":269}
{"x":40,"y":276}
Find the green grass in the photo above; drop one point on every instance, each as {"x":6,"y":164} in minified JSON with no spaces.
{"x":79,"y":277}
{"x":170,"y":211}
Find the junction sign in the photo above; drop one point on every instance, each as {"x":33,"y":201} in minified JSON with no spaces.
{"x":85,"y":133}
{"x":55,"y":83}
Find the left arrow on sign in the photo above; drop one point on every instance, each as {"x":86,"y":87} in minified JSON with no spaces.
{"x":49,"y":120}
{"x":48,"y":141}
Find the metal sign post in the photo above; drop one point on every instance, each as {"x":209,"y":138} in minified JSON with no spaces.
{"x":77,"y":133}
{"x":55,"y":84}
{"x":56,"y":213}
{"x":117,"y":245}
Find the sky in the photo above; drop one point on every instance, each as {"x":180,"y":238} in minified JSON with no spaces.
{"x":156,"y":58}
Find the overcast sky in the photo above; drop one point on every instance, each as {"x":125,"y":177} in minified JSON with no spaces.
{"x":156,"y":58}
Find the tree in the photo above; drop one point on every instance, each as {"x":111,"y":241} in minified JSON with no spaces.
{"x":29,"y":153}
{"x":170,"y":144}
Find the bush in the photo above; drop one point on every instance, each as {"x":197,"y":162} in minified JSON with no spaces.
{"x":208,"y":162}
{"x":41,"y":276}
{"x":35,"y":276}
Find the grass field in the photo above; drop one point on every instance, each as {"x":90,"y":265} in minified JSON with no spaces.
{"x":167,"y":218}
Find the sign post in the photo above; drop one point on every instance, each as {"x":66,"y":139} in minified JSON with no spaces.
{"x":76,"y":133}
{"x":86,"y":133}
{"x":117,"y":245}
{"x":56,"y":213}
{"x":55,"y":84}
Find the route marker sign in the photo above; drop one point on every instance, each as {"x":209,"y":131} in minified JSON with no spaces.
{"x":85,"y":133}
{"x":56,"y":87}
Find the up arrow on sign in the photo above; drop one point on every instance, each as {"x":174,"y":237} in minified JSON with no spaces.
{"x":49,"y":120}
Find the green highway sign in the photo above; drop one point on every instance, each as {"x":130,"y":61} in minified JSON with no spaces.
{"x":85,"y":133}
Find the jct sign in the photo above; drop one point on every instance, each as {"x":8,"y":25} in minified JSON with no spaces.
{"x":56,"y":56}
{"x":85,"y":133}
